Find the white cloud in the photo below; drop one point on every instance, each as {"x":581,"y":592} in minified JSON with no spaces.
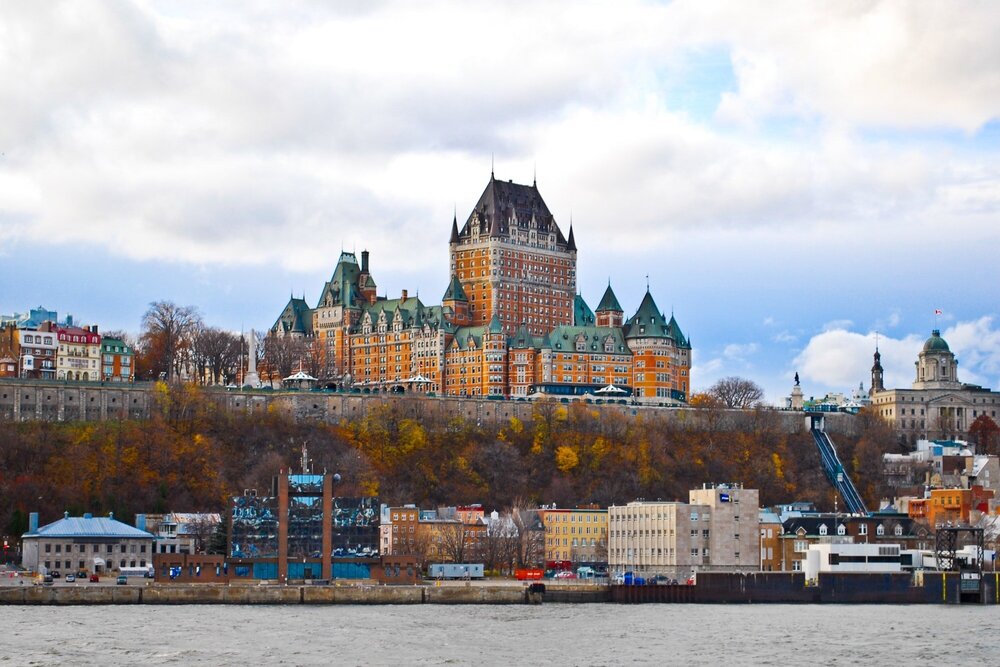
{"x":785,"y":337}
{"x":272,"y":134}
{"x":739,"y":351}
{"x":838,"y":358}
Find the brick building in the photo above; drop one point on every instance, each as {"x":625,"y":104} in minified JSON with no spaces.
{"x":510,"y":322}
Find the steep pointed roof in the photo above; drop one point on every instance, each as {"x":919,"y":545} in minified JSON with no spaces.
{"x":609,"y":302}
{"x":506,"y":204}
{"x":454,"y":229}
{"x":495,"y":326}
{"x":344,"y":288}
{"x":583,"y":316}
{"x":455,"y":292}
{"x":675,"y":332}
{"x":571,"y":242}
{"x":296,"y":317}
{"x":647,"y":322}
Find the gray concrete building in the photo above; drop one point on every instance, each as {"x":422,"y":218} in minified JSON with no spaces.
{"x":92,"y":544}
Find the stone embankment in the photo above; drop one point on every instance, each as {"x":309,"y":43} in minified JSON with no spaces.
{"x":37,"y":400}
{"x":222,"y":594}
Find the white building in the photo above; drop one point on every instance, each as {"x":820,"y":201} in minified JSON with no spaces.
{"x":842,"y":556}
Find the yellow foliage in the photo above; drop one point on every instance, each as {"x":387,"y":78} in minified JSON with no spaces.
{"x":778,"y":470}
{"x":561,"y":414}
{"x":566,"y":458}
{"x":516,"y":425}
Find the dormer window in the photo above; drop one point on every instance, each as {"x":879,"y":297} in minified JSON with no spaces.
{"x":897,"y":531}
{"x":822,"y":529}
{"x":880,"y":530}
{"x":841,"y":530}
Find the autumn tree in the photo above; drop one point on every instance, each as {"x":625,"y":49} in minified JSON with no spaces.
{"x":985,"y":433}
{"x":736,"y":392}
{"x":282,"y":354}
{"x":167,"y":332}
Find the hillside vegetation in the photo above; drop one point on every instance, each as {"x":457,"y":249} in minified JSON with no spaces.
{"x":191,"y":456}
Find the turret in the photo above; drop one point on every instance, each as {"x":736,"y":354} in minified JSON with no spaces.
{"x":609,"y":312}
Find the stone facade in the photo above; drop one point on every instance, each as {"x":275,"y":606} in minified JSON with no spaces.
{"x":937,"y":406}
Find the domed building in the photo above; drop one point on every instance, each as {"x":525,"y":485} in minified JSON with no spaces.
{"x":938,"y":406}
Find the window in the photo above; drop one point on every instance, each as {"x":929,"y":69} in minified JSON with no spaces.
{"x":863,"y":529}
{"x":841,"y":529}
{"x":880,"y":530}
{"x":898,"y":530}
{"x":800,"y":546}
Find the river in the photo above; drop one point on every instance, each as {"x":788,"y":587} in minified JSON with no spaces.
{"x":552,"y":634}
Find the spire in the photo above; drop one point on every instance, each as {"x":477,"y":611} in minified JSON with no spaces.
{"x":454,"y":227}
{"x":492,"y":156}
{"x":609,"y":302}
{"x":571,"y":242}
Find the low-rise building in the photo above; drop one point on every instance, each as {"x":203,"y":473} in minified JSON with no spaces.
{"x":579,"y":536}
{"x":800,"y":532}
{"x":116,"y":361}
{"x":79,"y":355}
{"x":92,"y":544}
{"x":836,"y":556}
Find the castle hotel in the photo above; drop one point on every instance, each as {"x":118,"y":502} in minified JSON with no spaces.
{"x":510,"y":322}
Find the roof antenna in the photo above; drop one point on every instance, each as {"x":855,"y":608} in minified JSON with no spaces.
{"x":647,"y":283}
{"x":491,"y":164}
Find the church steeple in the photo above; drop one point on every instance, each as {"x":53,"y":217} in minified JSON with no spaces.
{"x":454,"y":228}
{"x":876,"y":374}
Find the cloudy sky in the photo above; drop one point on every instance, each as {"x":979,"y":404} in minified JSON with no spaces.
{"x":793,"y":177}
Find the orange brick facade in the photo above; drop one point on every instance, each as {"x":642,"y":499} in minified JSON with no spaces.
{"x":510,"y":323}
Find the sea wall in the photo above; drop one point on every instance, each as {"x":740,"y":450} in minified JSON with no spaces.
{"x":37,"y":400}
{"x":222,"y":594}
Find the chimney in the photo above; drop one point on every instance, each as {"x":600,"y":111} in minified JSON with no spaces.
{"x":33,"y":522}
{"x":364,"y":261}
{"x":404,"y":297}
{"x":140,"y":522}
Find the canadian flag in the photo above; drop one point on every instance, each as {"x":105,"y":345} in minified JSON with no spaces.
{"x":937,"y":312}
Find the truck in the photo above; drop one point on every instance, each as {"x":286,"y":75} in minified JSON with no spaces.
{"x":455,"y":571}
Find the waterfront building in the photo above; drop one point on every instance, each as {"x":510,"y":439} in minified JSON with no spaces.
{"x":116,"y":361}
{"x":770,"y":540}
{"x":578,"y":536}
{"x":510,"y":322}
{"x":717,"y":530}
{"x":881,"y":528}
{"x":302,"y":531}
{"x":89,"y":543}
{"x":182,"y":532}
{"x":954,"y":506}
{"x":835,"y":557}
{"x":937,"y":406}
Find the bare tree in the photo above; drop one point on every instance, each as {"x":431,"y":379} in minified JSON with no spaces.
{"x":167,"y":330}
{"x":737,"y":392}
{"x":202,"y":527}
{"x":216,"y":354}
{"x":453,"y":541}
{"x":281,"y":354}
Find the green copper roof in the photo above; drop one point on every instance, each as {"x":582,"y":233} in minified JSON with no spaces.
{"x":454,"y":291}
{"x":609,"y":302}
{"x":587,"y":339}
{"x":295,"y":318}
{"x":583,"y":316}
{"x":495,"y":327}
{"x":935,"y":343}
{"x":649,"y":322}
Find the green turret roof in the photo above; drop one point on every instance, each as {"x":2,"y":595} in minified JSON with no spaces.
{"x":495,"y":327}
{"x":609,"y":302}
{"x":455,"y":292}
{"x":583,"y":316}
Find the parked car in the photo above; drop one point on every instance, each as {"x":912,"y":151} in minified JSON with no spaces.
{"x":565,"y":574}
{"x":94,"y":578}
{"x":70,"y":578}
{"x":122,"y":580}
{"x":81,"y":574}
{"x":55,"y":574}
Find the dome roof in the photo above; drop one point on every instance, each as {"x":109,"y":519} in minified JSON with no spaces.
{"x":935,"y":343}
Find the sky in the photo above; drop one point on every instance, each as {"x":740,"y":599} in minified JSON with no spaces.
{"x":794,"y":178}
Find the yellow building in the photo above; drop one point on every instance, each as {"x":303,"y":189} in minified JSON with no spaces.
{"x":576,"y":535}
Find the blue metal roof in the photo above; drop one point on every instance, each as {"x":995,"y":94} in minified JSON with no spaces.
{"x":88,"y":527}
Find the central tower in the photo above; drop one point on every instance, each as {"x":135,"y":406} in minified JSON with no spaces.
{"x":513,"y":261}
